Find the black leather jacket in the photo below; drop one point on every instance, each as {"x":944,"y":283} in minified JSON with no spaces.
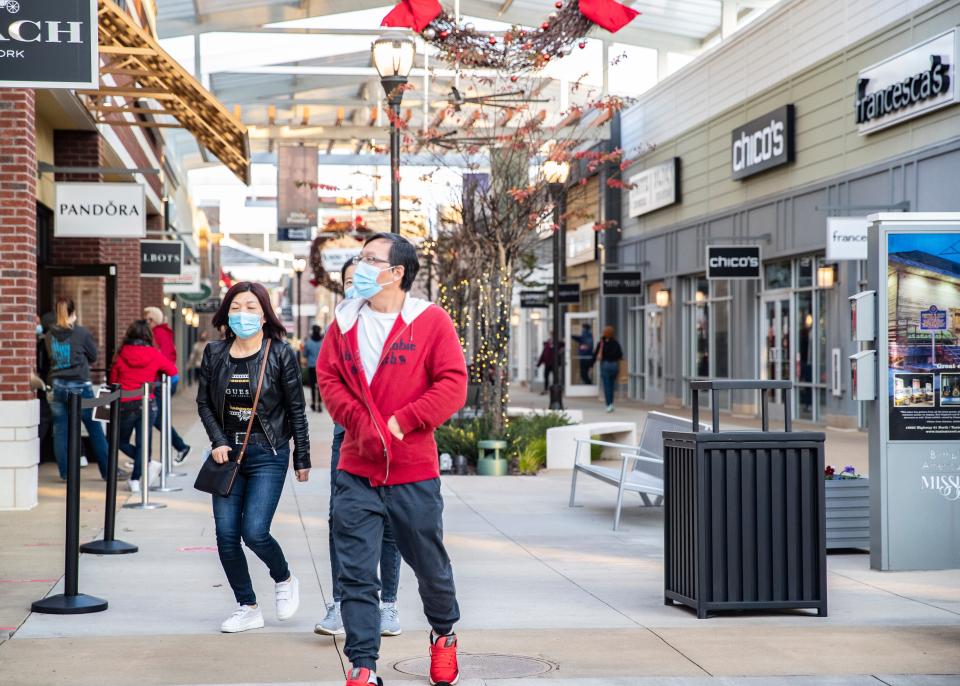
{"x":281,"y":408}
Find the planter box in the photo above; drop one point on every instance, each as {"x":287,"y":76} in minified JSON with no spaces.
{"x":848,"y":513}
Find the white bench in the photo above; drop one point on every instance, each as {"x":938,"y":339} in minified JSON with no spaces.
{"x":641,"y":470}
{"x":563,"y":441}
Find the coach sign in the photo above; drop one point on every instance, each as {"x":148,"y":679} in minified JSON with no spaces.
{"x":763,"y":144}
{"x":99,"y":210}
{"x":48,"y":44}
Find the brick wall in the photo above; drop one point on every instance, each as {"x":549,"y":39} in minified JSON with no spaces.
{"x":151,"y":287}
{"x":18,"y":236}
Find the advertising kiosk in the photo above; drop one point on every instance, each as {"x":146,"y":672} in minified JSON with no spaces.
{"x":914,"y":268}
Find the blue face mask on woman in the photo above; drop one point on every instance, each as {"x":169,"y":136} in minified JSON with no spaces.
{"x":244,"y":324}
{"x":365,"y":280}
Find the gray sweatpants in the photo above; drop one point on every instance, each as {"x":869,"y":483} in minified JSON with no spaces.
{"x":415,"y":512}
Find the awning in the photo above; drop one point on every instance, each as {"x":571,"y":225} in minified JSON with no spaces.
{"x":135,"y":69}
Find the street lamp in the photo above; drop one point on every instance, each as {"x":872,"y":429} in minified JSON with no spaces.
{"x":299,"y":265}
{"x":556,"y":172}
{"x":393,"y":57}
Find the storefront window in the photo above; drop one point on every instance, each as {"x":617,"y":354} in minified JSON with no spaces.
{"x":707,"y":326}
{"x":777,"y":275}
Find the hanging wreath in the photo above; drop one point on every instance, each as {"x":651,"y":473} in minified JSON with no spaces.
{"x":519,"y":49}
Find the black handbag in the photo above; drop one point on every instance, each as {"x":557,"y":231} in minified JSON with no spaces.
{"x":216,"y":478}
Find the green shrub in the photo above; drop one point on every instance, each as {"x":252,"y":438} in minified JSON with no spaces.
{"x":460,"y":437}
{"x":534,"y":456}
{"x":596,"y":451}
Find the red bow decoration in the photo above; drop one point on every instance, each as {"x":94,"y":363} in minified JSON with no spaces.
{"x":412,"y":14}
{"x":608,"y":14}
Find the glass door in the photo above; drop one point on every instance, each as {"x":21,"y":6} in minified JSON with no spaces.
{"x":653,"y":355}
{"x":582,"y":335}
{"x":775,"y":346}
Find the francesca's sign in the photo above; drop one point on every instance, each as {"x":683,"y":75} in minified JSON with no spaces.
{"x":763,"y":144}
{"x":161,"y":258}
{"x":654,"y":188}
{"x":846,"y":238}
{"x":909,"y":84}
{"x":48,"y":44}
{"x":733,"y":262}
{"x":99,"y":210}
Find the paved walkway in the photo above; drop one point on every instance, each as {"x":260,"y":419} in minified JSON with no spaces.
{"x":536,"y":580}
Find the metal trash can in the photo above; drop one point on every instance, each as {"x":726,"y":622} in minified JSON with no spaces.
{"x":744,"y":524}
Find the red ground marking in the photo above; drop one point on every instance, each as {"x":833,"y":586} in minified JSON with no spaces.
{"x":29,"y":581}
{"x":198,"y":549}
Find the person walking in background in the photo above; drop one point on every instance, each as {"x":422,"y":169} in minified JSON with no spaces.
{"x":66,"y":356}
{"x":332,"y":624}
{"x":546,"y":361}
{"x":391,"y":371}
{"x":163,"y":339}
{"x":138,"y":362}
{"x":585,"y":353}
{"x":196,"y":355}
{"x":229,"y":373}
{"x":609,"y":353}
{"x":311,"y":348}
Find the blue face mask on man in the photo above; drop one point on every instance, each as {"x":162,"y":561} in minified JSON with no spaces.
{"x":365,"y":283}
{"x":244,"y":324}
{"x":350,"y":292}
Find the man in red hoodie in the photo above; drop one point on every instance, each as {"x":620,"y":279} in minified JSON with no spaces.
{"x":163,"y":339}
{"x":391,"y":371}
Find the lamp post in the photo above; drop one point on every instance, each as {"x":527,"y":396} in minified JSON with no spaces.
{"x":393,"y":57}
{"x":556,"y":174}
{"x":299,"y":265}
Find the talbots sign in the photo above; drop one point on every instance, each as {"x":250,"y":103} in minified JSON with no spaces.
{"x":763,"y":144}
{"x":161,"y":258}
{"x":909,"y":84}
{"x":733,"y":262}
{"x":48,"y":44}
{"x":99,"y":210}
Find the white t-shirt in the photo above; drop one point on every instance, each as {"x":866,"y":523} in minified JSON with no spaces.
{"x":372,"y":335}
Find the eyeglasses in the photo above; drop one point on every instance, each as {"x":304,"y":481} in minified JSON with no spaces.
{"x":369,"y":259}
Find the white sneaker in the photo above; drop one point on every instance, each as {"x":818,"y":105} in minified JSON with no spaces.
{"x":244,"y":619}
{"x":288,"y":597}
{"x":154,"y":471}
{"x":134,"y":486}
{"x":83,"y":461}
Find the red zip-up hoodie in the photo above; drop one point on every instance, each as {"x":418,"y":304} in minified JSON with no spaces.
{"x":139,"y":364}
{"x":421,"y":380}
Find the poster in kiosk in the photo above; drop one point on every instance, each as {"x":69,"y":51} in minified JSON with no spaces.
{"x":914,"y":267}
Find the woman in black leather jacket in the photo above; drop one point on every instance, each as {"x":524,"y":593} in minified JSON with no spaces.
{"x":228,"y":383}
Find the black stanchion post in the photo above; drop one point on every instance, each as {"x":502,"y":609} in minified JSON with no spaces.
{"x":71,"y":601}
{"x":109,"y":545}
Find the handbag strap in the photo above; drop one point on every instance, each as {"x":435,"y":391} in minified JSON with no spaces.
{"x":256,"y":399}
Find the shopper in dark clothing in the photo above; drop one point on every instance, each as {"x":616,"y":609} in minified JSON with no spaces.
{"x":138,"y":362}
{"x":609,"y":353}
{"x":311,"y":348}
{"x":67,"y":354}
{"x":229,"y":375}
{"x":546,"y":361}
{"x":585,"y":353}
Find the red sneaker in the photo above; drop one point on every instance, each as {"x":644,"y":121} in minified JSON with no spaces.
{"x":443,"y":661}
{"x":360,"y":676}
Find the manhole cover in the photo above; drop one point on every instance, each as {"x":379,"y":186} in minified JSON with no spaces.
{"x":486,"y":666}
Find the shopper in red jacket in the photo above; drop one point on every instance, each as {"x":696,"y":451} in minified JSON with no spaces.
{"x":391,"y":371}
{"x":138,"y":362}
{"x":163,"y":339}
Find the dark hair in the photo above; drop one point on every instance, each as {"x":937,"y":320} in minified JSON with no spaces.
{"x":402,"y":254}
{"x":272,"y":327}
{"x":316,"y":334}
{"x":343,"y":270}
{"x":138,"y":332}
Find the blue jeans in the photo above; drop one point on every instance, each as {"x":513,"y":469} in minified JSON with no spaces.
{"x":246,"y":514}
{"x":175,"y":440}
{"x":58,"y":409}
{"x":608,"y":373}
{"x":389,"y":555}
{"x":130,"y":425}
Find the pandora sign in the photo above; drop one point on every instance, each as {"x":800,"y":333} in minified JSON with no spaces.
{"x":48,"y":44}
{"x":764,"y":143}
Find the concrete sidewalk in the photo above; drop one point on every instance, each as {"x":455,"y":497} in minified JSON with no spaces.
{"x":546,"y":592}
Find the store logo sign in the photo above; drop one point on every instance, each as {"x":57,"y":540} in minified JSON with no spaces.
{"x":763,"y":144}
{"x":48,"y":44}
{"x":733,"y":262}
{"x":99,"y":210}
{"x":909,"y":84}
{"x":940,"y":474}
{"x":161,"y":258}
{"x":654,"y":188}
{"x":846,"y":238}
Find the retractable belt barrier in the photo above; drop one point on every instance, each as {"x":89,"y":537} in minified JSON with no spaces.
{"x":71,"y":601}
{"x":109,"y":545}
{"x":143,"y":447}
{"x":166,"y":429}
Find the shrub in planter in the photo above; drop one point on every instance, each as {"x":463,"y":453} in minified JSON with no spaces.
{"x":534,"y":456}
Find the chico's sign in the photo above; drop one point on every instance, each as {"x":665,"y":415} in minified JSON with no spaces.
{"x":733,"y":262}
{"x":764,"y":143}
{"x":49,"y":44}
